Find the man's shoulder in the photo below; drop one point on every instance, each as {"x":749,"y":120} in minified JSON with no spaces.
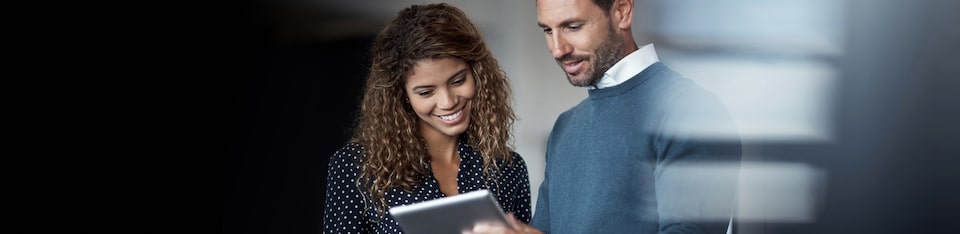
{"x":669,"y":85}
{"x":575,"y":109}
{"x":662,"y":77}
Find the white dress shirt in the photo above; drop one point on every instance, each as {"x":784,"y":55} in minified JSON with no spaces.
{"x":628,"y":67}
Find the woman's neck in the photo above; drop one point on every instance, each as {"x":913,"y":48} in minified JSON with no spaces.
{"x":442,"y":147}
{"x":444,"y":160}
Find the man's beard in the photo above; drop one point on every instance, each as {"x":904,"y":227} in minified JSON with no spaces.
{"x":607,"y":54}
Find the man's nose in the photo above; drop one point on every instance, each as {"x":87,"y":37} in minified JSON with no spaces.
{"x":560,"y":46}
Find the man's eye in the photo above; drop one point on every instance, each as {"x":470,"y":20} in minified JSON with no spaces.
{"x":547,"y":31}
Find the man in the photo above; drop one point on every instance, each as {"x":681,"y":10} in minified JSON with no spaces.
{"x":642,"y":153}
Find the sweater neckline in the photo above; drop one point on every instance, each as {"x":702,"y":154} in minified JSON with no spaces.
{"x":633,"y":82}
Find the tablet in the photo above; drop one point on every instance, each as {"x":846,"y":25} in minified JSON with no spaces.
{"x":450,"y":214}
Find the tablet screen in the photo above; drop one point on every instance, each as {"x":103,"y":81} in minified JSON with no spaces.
{"x":450,"y":214}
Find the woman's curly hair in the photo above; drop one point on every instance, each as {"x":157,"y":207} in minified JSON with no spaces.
{"x":395,"y":154}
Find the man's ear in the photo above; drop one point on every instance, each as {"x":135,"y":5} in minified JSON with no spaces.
{"x":622,"y":13}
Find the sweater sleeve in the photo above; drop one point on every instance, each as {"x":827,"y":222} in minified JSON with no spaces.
{"x":344,"y":206}
{"x":541,"y":216}
{"x":541,"y":219}
{"x":696,"y":173}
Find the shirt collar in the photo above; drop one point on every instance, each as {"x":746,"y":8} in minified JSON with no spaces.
{"x":628,"y":67}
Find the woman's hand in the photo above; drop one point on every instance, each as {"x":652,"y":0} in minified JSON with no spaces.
{"x":518,"y":227}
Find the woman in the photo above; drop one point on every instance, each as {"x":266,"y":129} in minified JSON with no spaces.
{"x":434,"y":122}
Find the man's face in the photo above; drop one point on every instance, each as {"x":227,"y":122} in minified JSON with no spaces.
{"x":580,"y":37}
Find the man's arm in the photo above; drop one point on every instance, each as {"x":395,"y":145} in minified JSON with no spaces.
{"x":697,"y":171}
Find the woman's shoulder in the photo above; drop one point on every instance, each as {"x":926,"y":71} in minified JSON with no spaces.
{"x":349,"y":153}
{"x":515,"y":161}
{"x":515,"y":168}
{"x":515,"y":157}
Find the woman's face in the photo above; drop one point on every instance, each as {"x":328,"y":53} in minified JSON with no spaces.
{"x":440,"y":92}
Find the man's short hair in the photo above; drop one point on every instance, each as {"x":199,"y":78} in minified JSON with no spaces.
{"x":604,"y":5}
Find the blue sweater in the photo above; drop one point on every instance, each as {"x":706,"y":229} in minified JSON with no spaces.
{"x":614,"y":162}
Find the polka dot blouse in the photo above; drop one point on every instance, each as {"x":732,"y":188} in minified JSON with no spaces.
{"x":345,"y":211}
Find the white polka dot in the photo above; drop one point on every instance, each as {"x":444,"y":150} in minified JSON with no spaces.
{"x":510,"y":185}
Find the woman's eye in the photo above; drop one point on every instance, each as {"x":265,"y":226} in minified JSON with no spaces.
{"x":424,"y":93}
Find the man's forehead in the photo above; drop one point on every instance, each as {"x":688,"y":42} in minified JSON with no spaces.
{"x":554,"y":12}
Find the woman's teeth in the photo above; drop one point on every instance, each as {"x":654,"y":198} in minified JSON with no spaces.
{"x":452,"y":117}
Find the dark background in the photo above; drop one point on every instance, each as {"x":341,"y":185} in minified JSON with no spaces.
{"x":292,"y":108}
